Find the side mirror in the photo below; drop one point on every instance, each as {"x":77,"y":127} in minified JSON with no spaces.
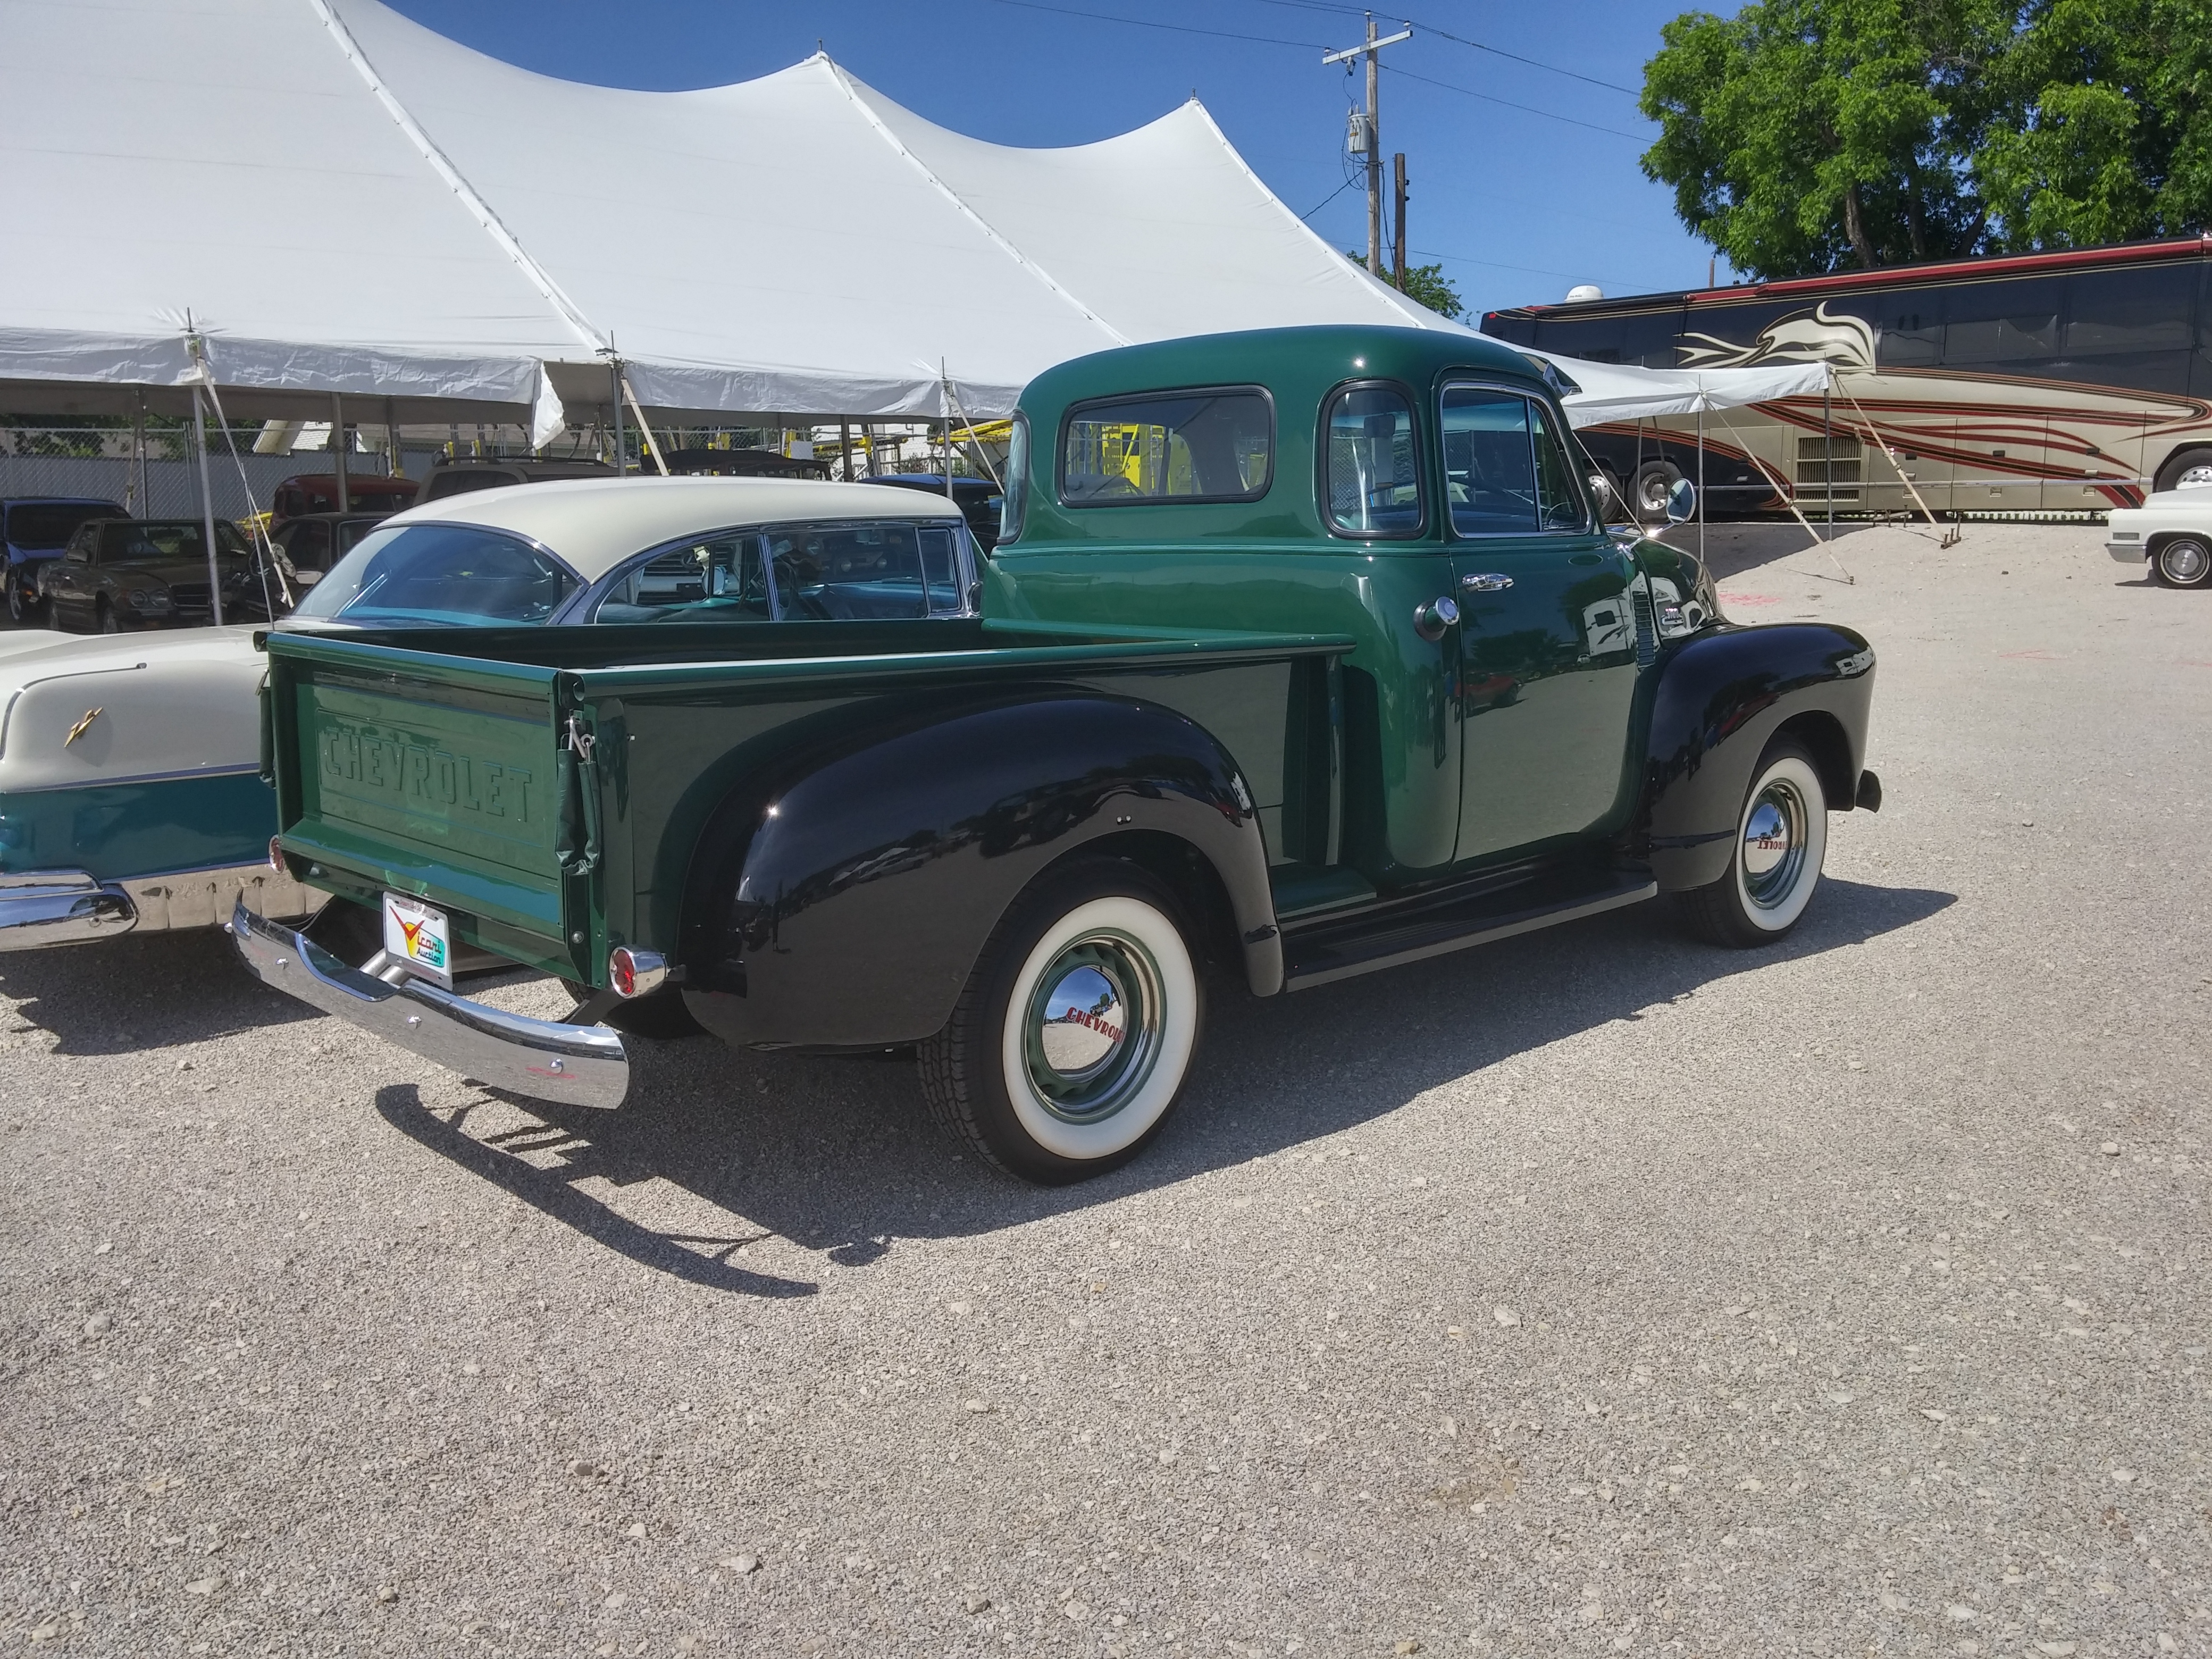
{"x":1682,"y":501}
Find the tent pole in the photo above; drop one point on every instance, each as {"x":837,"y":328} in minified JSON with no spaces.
{"x":392,"y":440}
{"x":945,"y":397}
{"x":338,"y":449}
{"x":613,"y":397}
{"x":138,"y":502}
{"x":207,"y":505}
{"x":845,"y":448}
{"x":1828,"y":454}
{"x":1701,"y":473}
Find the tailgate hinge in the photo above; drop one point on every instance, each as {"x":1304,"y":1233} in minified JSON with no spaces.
{"x":577,"y":848}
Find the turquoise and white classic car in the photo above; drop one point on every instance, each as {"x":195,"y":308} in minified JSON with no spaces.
{"x":131,"y":790}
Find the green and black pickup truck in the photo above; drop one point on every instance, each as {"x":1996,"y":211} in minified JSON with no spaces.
{"x":1302,"y":654}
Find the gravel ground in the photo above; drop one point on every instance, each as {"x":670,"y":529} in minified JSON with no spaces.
{"x":1597,"y":1292}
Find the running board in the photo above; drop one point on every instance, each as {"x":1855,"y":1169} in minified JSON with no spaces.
{"x":1339,"y":949}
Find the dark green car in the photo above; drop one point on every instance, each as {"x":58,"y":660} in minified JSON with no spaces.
{"x":1303,"y":653}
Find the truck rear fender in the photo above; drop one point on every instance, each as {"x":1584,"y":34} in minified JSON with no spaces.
{"x":844,"y":898}
{"x":1721,"y":697}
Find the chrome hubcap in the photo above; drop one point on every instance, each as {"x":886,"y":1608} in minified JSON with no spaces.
{"x":1093,"y":1027}
{"x":2194,"y":474}
{"x":1774,"y":845}
{"x":2184,"y":561}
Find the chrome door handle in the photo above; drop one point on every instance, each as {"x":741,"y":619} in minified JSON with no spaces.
{"x":1488,"y":581}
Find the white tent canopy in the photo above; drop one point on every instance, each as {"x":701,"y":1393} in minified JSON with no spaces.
{"x":336,"y":199}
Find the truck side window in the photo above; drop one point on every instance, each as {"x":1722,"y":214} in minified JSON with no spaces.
{"x":1215,"y":445}
{"x":1506,"y":472}
{"x":1372,"y":464}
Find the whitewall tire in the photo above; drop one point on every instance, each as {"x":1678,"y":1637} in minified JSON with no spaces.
{"x":1780,"y":843}
{"x":1071,"y":1040}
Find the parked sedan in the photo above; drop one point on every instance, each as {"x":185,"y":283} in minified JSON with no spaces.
{"x":34,"y":529}
{"x":117,"y":574}
{"x":2172,"y":531}
{"x":130,"y":795}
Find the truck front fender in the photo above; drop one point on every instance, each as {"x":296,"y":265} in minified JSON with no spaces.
{"x":1721,"y":697}
{"x":843,"y":900}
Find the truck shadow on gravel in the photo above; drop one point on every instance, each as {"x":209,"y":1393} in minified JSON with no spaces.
{"x":837,"y":1155}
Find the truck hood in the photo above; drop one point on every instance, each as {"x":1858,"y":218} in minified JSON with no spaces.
{"x":167,"y":704}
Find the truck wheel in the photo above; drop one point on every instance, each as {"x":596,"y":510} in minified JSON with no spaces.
{"x":21,"y":607}
{"x":2181,"y":562}
{"x":1781,"y":839}
{"x":2189,"y":467}
{"x":1072,"y":1040}
{"x":1653,"y":480}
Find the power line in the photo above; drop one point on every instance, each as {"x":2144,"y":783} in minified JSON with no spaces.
{"x":1317,"y":46}
{"x":1172,"y":28}
{"x":1530,"y":109}
{"x":1457,"y":39}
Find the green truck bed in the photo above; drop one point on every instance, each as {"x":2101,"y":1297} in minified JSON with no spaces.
{"x":500,"y":785}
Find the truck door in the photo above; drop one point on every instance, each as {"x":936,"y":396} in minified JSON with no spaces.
{"x":1547,"y":639}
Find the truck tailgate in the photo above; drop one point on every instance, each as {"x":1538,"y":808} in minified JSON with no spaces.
{"x":440,"y":776}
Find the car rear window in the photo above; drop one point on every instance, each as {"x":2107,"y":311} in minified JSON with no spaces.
{"x":442,"y":575}
{"x":44,"y":527}
{"x":1214,"y":445}
{"x":443,"y":484}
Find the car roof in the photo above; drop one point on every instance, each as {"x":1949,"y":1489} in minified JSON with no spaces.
{"x":594,"y":524}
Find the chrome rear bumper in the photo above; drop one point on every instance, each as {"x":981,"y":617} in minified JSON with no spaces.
{"x":542,"y":1059}
{"x":40,"y":907}
{"x":2127,"y":552}
{"x":60,"y":907}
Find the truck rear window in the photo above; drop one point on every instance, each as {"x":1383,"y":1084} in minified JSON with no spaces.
{"x":442,"y":575}
{"x":1207,"y":445}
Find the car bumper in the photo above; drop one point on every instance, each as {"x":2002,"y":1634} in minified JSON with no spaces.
{"x":40,"y":907}
{"x":540,"y":1059}
{"x":2127,"y":552}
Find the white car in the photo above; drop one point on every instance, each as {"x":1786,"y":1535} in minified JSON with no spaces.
{"x":131,"y":788}
{"x":2171,"y":528}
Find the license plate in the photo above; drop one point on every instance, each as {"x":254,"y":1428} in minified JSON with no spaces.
{"x":418,"y":934}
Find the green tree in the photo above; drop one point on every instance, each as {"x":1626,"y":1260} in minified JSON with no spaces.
{"x":1804,"y":135}
{"x":2106,"y":134}
{"x":1425,"y":285}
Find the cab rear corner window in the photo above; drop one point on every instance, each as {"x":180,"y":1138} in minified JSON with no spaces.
{"x":1211,"y":445}
{"x":1371,"y":463}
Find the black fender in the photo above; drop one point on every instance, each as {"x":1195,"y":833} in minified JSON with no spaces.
{"x":1721,"y":696}
{"x":844,"y":898}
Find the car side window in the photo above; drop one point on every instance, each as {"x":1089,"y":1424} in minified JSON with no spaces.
{"x":308,"y":545}
{"x":1505,"y":470}
{"x":852,"y":571}
{"x":719,"y":579}
{"x":1371,"y":481}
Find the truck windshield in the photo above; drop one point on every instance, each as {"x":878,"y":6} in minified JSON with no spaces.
{"x":441,"y":575}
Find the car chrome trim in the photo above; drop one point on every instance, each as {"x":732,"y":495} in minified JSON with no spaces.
{"x":41,"y":908}
{"x":539,"y":1058}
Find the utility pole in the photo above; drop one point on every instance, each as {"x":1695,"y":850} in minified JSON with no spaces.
{"x":1370,"y":129}
{"x":1398,"y":239}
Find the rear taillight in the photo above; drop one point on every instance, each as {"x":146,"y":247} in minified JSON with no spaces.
{"x":635,"y":973}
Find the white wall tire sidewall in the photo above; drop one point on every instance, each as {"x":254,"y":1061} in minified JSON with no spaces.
{"x":1796,"y":771}
{"x":1082,"y":1142}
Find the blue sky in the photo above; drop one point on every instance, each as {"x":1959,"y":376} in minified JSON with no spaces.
{"x":1516,"y":203}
